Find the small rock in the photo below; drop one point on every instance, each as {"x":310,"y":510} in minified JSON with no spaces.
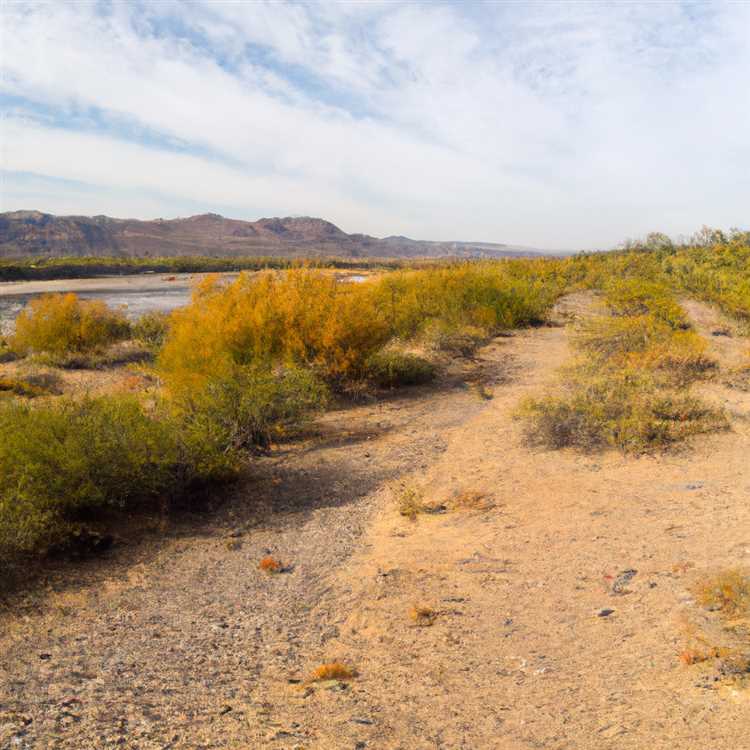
{"x":358,"y":720}
{"x":605,"y":612}
{"x":224,"y":710}
{"x":45,"y":657}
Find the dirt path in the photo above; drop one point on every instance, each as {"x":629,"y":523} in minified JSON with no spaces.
{"x":183,"y":643}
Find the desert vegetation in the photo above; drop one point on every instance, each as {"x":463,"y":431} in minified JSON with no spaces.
{"x":248,"y":361}
{"x":242,"y":363}
{"x":629,"y":387}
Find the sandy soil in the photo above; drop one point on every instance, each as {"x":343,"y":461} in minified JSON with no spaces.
{"x":563,"y":599}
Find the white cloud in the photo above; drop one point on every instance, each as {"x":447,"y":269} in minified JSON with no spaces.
{"x":551,"y":124}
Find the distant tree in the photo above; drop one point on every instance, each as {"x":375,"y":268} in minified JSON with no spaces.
{"x":658,"y":241}
{"x":707,"y":236}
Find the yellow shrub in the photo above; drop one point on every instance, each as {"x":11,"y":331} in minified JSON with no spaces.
{"x":301,"y":317}
{"x":63,"y":323}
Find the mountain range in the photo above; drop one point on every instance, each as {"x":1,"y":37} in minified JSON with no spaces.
{"x":33,"y":233}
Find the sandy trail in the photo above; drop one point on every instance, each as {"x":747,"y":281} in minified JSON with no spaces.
{"x":181,"y":643}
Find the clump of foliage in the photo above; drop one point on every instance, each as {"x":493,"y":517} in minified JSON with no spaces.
{"x":61,"y":324}
{"x":621,"y":395}
{"x":637,"y":297}
{"x":391,"y":368}
{"x":644,"y":342}
{"x":66,"y":456}
{"x":487,"y":296}
{"x":309,"y":319}
{"x":626,"y":410}
{"x":243,"y":407}
{"x":67,"y":459}
{"x":151,"y":329}
{"x":728,"y":592}
{"x":410,"y":502}
{"x":456,"y":341}
{"x":301,"y":318}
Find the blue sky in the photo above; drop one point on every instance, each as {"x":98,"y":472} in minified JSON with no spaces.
{"x":560,"y":125}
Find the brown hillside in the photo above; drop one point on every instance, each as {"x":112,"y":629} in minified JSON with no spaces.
{"x":32,"y":233}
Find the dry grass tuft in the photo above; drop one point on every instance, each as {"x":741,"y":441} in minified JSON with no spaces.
{"x":692,"y":656}
{"x":334,"y":670}
{"x":410,"y":502}
{"x":423,"y":616}
{"x":270,"y":564}
{"x":727,"y":592}
{"x":472,"y":500}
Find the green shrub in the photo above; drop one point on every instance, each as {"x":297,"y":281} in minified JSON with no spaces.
{"x":66,"y":456}
{"x":151,"y":329}
{"x":635,"y":297}
{"x":244,"y":406}
{"x":60,"y":324}
{"x":390,"y":368}
{"x":626,"y":410}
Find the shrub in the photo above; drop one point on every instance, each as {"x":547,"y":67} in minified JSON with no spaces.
{"x":151,"y":329}
{"x":301,"y":318}
{"x":457,"y":341}
{"x":634,"y":297}
{"x":59,"y":324}
{"x":628,"y":411}
{"x":309,"y":319}
{"x":243,"y":406}
{"x":728,"y":592}
{"x":410,"y":502}
{"x":65,"y":457}
{"x":391,"y":368}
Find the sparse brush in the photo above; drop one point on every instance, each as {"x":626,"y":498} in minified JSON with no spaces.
{"x":334,"y":670}
{"x":692,"y":656}
{"x":728,"y":592}
{"x":423,"y":616}
{"x":627,"y":410}
{"x":391,"y":368}
{"x":634,"y":297}
{"x":739,"y":379}
{"x":31,"y":386}
{"x":472,"y":500}
{"x":151,"y":329}
{"x":410,"y":502}
{"x":270,"y":564}
{"x":460,"y":341}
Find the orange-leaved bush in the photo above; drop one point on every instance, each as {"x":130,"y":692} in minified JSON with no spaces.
{"x":63,"y":323}
{"x":301,"y":317}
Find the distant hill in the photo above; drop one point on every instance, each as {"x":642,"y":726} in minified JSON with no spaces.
{"x":32,"y":233}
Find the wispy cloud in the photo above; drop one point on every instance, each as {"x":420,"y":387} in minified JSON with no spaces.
{"x":551,"y":124}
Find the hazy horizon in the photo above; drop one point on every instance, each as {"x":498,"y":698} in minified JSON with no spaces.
{"x":568,"y":126}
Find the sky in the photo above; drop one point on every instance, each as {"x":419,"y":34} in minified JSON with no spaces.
{"x":559,"y":125}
